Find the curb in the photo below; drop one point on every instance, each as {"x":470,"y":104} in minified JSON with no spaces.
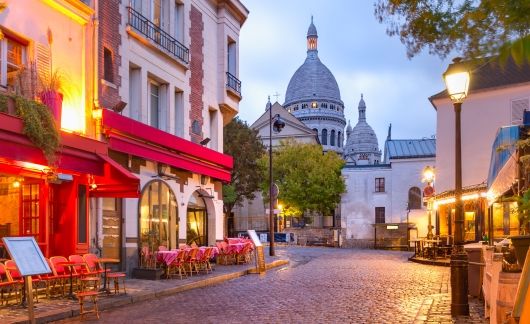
{"x":119,"y":301}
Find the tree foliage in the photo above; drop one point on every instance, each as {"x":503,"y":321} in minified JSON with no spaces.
{"x":474,"y":28}
{"x":309,"y":180}
{"x":243,"y":144}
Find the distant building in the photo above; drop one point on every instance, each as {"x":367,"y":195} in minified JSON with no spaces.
{"x":386,"y":192}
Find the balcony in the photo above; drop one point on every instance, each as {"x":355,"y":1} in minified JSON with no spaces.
{"x":154,"y":33}
{"x":233,"y":83}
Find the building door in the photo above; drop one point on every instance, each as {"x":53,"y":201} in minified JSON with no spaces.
{"x":111,"y":228}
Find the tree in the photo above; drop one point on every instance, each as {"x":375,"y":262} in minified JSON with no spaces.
{"x":243,"y":144}
{"x":309,"y":180}
{"x":475,"y":28}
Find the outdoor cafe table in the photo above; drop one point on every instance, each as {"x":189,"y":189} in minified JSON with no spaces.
{"x":167,"y":257}
{"x":71,"y":266}
{"x":432,"y":245}
{"x":106,"y":261}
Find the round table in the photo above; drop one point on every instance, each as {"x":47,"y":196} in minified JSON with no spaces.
{"x":106,"y":261}
{"x":70,"y":265}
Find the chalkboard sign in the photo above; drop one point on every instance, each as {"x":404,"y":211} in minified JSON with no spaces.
{"x":27,"y":255}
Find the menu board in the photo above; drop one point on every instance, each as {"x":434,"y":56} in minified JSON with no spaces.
{"x":254,"y":237}
{"x":27,"y":255}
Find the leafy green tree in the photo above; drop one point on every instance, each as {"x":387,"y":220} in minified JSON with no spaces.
{"x":244,"y":145}
{"x":309,"y":180}
{"x":475,"y":28}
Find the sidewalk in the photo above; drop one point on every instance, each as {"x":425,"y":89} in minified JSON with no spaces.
{"x":137,"y":290}
{"x":437,"y":308}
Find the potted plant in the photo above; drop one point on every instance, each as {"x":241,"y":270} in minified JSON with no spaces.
{"x":521,"y":242}
{"x":51,"y":94}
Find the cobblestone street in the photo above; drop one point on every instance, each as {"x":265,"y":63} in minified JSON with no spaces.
{"x":320,"y":285}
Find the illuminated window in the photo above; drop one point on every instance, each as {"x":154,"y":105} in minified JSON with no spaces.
{"x":158,"y":207}
{"x":314,"y":104}
{"x":380,"y":215}
{"x":379,"y":184}
{"x":197,"y":221}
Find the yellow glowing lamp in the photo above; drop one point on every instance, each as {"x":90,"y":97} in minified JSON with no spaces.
{"x":457,"y":81}
{"x":428,"y":174}
{"x":97,"y":113}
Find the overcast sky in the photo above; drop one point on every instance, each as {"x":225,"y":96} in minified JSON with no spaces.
{"x":357,"y":50}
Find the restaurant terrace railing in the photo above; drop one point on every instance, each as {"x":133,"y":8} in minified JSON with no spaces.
{"x":157,"y":35}
{"x":233,"y":83}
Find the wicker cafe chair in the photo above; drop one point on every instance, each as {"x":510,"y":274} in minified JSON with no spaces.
{"x":82,"y":269}
{"x":52,"y":280}
{"x":63,"y":271}
{"x":178,"y":265}
{"x":92,"y":263}
{"x":204,"y":261}
{"x":245,"y":255}
{"x":13,"y":272}
{"x":8,"y":285}
{"x":191,"y":261}
{"x":147,"y":258}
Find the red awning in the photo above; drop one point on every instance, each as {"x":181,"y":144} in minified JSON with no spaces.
{"x":132,"y":137}
{"x":116,"y":181}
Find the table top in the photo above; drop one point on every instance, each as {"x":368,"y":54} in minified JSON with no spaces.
{"x":108,"y":260}
{"x":69,"y":263}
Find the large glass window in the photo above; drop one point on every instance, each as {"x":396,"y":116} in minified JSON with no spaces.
{"x":158,"y":207}
{"x":154,"y":104}
{"x":324,"y":137}
{"x":15,"y":57}
{"x":379,"y":184}
{"x":197,"y":221}
{"x":380,"y":215}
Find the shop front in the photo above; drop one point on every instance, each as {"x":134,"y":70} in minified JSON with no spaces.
{"x":475,"y":213}
{"x":51,"y":202}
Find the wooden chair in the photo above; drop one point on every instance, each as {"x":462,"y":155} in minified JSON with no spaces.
{"x":12,"y":270}
{"x":93,"y":295}
{"x":82,"y":269}
{"x":204,"y":260}
{"x":60,"y":270}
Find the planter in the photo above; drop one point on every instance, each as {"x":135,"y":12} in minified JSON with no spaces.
{"x":54,"y":101}
{"x":520,"y":244}
{"x":149,"y":274}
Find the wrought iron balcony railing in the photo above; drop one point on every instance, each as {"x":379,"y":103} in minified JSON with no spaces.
{"x":233,"y":83}
{"x":157,"y":35}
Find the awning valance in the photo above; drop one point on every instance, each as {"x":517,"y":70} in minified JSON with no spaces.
{"x":116,"y":181}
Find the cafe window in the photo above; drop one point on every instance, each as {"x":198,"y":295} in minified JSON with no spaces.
{"x":197,"y":221}
{"x":14,"y":53}
{"x":379,"y":184}
{"x":158,"y":207}
{"x":505,"y":221}
{"x":82,"y":229}
{"x":469,"y":226}
{"x":380,"y":215}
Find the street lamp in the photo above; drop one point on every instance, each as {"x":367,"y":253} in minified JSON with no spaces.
{"x":428,"y":192}
{"x":457,"y":82}
{"x":278,"y":125}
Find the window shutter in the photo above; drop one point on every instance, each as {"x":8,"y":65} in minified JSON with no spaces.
{"x":519,"y":106}
{"x":43,"y":61}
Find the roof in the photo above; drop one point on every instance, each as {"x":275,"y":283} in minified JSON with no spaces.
{"x":408,"y":149}
{"x":491,"y":73}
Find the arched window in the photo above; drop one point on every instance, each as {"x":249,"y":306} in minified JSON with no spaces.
{"x":414,"y":198}
{"x":197,"y":221}
{"x":158,"y":207}
{"x":332,"y":138}
{"x":339,"y":139}
{"x":324,"y":138}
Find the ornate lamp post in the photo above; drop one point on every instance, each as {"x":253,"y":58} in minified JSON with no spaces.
{"x":428,"y":192}
{"x":457,"y":82}
{"x":278,"y":125}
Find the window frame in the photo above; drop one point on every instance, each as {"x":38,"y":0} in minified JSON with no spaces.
{"x":380,"y":215}
{"x":379,"y":184}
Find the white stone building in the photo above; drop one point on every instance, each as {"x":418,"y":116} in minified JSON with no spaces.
{"x":170,"y":68}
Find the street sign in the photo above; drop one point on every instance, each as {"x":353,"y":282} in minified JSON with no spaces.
{"x":275,"y":211}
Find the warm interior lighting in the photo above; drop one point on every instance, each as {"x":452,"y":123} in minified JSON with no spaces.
{"x":456,"y":81}
{"x":97,"y":113}
{"x":314,"y":104}
{"x":16,"y":184}
{"x":464,"y":198}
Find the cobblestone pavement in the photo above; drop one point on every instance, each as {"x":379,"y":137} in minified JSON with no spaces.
{"x":320,"y":285}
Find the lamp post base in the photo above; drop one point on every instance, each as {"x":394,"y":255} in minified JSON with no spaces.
{"x":459,"y":288}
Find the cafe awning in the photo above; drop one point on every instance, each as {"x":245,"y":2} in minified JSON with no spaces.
{"x":116,"y":181}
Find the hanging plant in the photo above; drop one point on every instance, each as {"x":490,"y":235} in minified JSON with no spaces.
{"x":39,"y":125}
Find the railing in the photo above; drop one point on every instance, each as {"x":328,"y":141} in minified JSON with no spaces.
{"x":156,"y":34}
{"x":233,"y":83}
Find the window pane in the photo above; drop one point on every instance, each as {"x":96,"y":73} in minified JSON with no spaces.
{"x":153,"y":114}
